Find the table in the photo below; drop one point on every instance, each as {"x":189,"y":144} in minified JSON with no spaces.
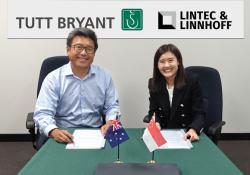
{"x":205,"y":158}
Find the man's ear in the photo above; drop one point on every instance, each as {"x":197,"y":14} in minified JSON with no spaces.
{"x":68,"y":49}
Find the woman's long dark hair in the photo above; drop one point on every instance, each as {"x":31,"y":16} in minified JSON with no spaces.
{"x":158,"y":79}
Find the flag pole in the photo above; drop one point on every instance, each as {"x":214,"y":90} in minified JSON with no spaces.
{"x":153,"y":155}
{"x":153,"y":158}
{"x":118,"y":155}
{"x":118,"y":152}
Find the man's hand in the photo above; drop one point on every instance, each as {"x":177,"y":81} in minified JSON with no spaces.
{"x":105,"y":127}
{"x":61,"y":136}
{"x":192,"y":135}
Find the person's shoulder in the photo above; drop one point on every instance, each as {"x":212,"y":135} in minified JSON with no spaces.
{"x":100,"y":71}
{"x":150,"y":83}
{"x":55,"y":74}
{"x":155,"y":88}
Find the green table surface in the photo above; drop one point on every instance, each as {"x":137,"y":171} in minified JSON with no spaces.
{"x":204,"y":159}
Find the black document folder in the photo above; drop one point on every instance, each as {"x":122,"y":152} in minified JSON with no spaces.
{"x":137,"y":169}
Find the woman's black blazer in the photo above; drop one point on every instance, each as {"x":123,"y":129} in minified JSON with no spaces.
{"x":187,"y":109}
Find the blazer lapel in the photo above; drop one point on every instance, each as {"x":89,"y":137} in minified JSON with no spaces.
{"x":164,"y":99}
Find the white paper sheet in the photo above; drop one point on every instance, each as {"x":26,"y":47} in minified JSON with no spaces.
{"x":175,"y":140}
{"x":87,"y":139}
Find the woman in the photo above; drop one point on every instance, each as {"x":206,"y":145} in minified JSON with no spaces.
{"x":175,"y":98}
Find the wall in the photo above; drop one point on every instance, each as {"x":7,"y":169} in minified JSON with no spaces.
{"x":130,"y":62}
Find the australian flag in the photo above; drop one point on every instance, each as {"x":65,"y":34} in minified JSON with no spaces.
{"x":116,"y":134}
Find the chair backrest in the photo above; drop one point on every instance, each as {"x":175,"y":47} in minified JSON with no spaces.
{"x":210,"y":82}
{"x":48,"y":65}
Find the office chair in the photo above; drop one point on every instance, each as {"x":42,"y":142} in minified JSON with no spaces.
{"x":210,"y":82}
{"x":48,"y":65}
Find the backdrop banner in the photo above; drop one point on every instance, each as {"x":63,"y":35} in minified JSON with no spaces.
{"x":127,"y":19}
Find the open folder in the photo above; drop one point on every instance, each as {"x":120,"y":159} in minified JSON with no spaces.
{"x":87,"y":139}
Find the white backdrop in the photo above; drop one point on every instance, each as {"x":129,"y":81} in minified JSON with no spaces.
{"x":130,"y":61}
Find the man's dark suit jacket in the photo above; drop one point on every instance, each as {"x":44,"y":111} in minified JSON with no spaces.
{"x":187,"y":109}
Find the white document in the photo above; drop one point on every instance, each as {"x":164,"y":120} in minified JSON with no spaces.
{"x":87,"y":139}
{"x":175,"y":140}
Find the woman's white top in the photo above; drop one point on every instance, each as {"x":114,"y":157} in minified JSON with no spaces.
{"x":170,"y":93}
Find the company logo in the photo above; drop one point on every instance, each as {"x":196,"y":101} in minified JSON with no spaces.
{"x":132,"y":19}
{"x":166,"y":20}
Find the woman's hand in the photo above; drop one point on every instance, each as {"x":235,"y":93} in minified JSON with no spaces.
{"x":192,"y":135}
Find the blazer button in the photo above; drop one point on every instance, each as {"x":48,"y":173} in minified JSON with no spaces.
{"x":183,"y":115}
{"x":182,"y":105}
{"x":183,"y":125}
{"x":159,"y":109}
{"x":161,"y":116}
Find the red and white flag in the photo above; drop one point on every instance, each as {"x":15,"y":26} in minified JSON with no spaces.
{"x":152,"y":136}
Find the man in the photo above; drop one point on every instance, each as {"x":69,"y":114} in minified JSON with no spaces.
{"x":77,"y":94}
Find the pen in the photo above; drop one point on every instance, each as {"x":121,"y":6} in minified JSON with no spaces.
{"x":71,"y":140}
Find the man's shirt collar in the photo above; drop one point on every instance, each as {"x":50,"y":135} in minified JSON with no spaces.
{"x":68,"y":70}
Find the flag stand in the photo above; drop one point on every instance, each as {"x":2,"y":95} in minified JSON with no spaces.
{"x":118,"y":155}
{"x":152,"y":160}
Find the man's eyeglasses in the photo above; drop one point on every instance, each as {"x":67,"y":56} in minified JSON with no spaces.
{"x":79,"y":48}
